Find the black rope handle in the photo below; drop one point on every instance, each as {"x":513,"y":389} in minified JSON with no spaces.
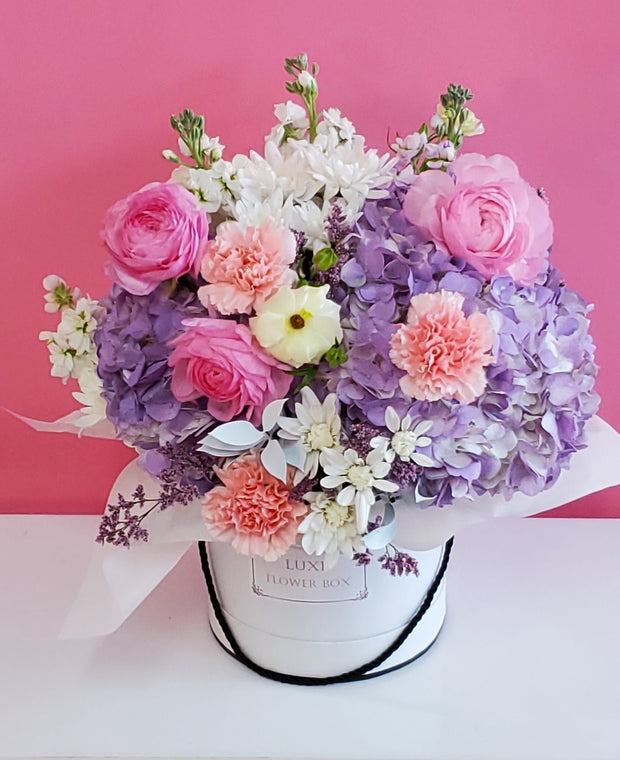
{"x":357,"y":674}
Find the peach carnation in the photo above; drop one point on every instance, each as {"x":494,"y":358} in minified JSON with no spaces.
{"x":245,"y":264}
{"x":252,"y":510}
{"x":443,"y":352}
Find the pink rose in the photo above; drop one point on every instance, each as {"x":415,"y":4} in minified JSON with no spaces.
{"x":155,"y":234}
{"x":253,"y":510}
{"x":221,"y":360}
{"x":443,"y":352}
{"x":487,"y":215}
{"x":246,"y":264}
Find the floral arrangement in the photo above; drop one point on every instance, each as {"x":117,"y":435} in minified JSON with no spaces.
{"x":312,"y":340}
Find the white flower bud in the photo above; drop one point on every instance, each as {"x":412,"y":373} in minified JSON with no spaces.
{"x":306,"y":80}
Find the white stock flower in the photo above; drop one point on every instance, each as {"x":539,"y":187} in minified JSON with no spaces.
{"x":404,"y":441}
{"x":360,"y":478}
{"x":334,"y":120}
{"x":78,"y":324}
{"x":71,"y":347}
{"x":59,"y":295}
{"x":207,"y":184}
{"x":439,"y":154}
{"x":410,"y":146}
{"x":316,"y":426}
{"x":329,"y":529}
{"x":291,"y":113}
{"x":297,"y":325}
{"x":471,"y":124}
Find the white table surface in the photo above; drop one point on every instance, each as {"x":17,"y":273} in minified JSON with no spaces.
{"x":527,"y":666}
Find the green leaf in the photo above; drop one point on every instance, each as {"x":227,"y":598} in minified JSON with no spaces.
{"x":336,"y":356}
{"x":325,"y":259}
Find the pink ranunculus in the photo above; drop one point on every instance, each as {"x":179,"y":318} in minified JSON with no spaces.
{"x":442,"y":351}
{"x":487,"y":215}
{"x":252,"y":510}
{"x":219,"y":359}
{"x":155,"y":234}
{"x":245,"y":264}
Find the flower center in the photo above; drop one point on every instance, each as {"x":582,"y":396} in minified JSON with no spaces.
{"x":404,"y":443}
{"x":335,"y":515}
{"x":297,"y":321}
{"x":360,"y":476}
{"x":319,"y":436}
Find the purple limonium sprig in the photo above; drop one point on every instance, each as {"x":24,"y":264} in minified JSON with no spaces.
{"x":184,"y":474}
{"x":343,"y":241}
{"x":398,"y":562}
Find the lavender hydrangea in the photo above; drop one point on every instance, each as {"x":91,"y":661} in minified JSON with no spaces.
{"x":132,"y":346}
{"x":391,"y":263}
{"x":519,"y":434}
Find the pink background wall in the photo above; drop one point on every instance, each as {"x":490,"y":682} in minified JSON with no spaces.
{"x":87,"y":90}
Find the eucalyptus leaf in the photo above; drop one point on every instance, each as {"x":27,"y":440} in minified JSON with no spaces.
{"x":274,"y":460}
{"x":238,"y":433}
{"x":271,"y":413}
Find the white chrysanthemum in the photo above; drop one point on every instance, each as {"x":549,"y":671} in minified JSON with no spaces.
{"x":316,"y":426}
{"x":350,"y":171}
{"x":298,"y":325}
{"x":93,"y":408}
{"x":404,"y":441}
{"x":360,"y":478}
{"x":311,"y":219}
{"x":329,"y":529}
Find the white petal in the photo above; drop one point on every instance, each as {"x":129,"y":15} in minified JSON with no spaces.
{"x":385,"y":485}
{"x":332,"y":481}
{"x":423,"y":427}
{"x":422,"y":460}
{"x":347,"y":496}
{"x":392,"y":420}
{"x":363,"y":502}
{"x":381,"y":469}
{"x":376,"y":456}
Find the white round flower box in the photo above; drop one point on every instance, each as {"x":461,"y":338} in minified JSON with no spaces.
{"x":296,"y":617}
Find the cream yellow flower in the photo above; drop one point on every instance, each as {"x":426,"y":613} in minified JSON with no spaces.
{"x":297,"y":325}
{"x":471,"y":123}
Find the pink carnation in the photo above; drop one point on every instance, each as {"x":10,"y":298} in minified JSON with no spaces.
{"x":252,"y":510}
{"x":487,"y":215}
{"x":244,"y":264}
{"x":442,"y":351}
{"x":155,"y":234}
{"x":220,"y":360}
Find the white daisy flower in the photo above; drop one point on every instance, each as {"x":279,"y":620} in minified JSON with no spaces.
{"x":360,"y":478}
{"x":404,"y":441}
{"x":329,"y":529}
{"x":316,"y":427}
